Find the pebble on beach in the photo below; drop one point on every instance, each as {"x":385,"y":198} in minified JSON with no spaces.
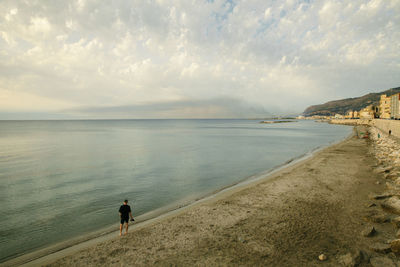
{"x":380,"y":248}
{"x":395,"y":246}
{"x":392,"y":204}
{"x":322,"y":257}
{"x":368,"y":231}
{"x":396,"y":221}
{"x":382,"y":261}
{"x":387,"y":152}
{"x":351,"y":259}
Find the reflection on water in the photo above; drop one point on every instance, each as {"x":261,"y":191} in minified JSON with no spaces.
{"x":61,"y":179}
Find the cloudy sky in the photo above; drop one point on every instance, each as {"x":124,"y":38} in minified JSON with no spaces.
{"x":194,"y":59}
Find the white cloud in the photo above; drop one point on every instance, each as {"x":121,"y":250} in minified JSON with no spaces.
{"x":7,"y":38}
{"x":10,"y":14}
{"x":269,"y":53}
{"x":267,"y":13}
{"x":39,"y":25}
{"x":70,"y":24}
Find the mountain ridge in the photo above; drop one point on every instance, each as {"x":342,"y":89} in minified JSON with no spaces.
{"x":341,"y":106}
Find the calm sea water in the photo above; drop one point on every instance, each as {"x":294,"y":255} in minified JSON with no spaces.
{"x":62,"y":179}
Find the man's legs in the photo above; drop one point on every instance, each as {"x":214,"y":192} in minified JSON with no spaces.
{"x":126,"y":227}
{"x":120,"y":229}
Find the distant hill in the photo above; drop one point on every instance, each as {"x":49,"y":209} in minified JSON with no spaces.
{"x":342,"y":106}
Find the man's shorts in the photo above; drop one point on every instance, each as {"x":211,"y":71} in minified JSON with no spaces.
{"x":124,"y":220}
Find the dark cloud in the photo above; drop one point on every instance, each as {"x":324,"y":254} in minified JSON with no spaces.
{"x":211,"y":108}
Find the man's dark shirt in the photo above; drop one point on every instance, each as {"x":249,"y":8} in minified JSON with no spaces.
{"x":124,"y":210}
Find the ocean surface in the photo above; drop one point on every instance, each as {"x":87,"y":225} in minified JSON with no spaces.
{"x":64,"y":179}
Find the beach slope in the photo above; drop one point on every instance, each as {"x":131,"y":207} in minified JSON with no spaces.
{"x":289,"y":219}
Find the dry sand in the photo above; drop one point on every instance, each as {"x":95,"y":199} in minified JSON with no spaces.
{"x":289,"y":219}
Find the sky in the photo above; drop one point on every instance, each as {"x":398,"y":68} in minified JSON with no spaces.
{"x":122,"y":59}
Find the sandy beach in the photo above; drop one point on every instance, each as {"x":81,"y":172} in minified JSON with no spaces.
{"x":318,"y":206}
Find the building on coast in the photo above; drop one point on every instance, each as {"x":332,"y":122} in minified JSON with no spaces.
{"x":387,"y":108}
{"x":339,"y":116}
{"x":395,"y":106}
{"x":384,"y":107}
{"x":350,"y":114}
{"x":368,"y":112}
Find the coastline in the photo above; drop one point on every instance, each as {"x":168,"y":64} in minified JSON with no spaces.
{"x":50,"y":254}
{"x":318,"y":205}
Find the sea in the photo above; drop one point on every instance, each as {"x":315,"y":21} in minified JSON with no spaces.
{"x":61,"y":180}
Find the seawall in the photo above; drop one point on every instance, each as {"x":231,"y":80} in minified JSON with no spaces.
{"x":381,"y":124}
{"x":386,"y":125}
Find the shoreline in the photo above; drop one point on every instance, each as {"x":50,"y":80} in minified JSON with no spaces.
{"x":322,"y":205}
{"x":56,"y":251}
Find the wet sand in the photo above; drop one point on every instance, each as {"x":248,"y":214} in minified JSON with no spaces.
{"x":288,"y":219}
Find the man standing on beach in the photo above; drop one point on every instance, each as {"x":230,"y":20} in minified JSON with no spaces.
{"x":125,"y":212}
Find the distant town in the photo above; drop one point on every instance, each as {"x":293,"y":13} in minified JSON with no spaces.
{"x":388,"y":108}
